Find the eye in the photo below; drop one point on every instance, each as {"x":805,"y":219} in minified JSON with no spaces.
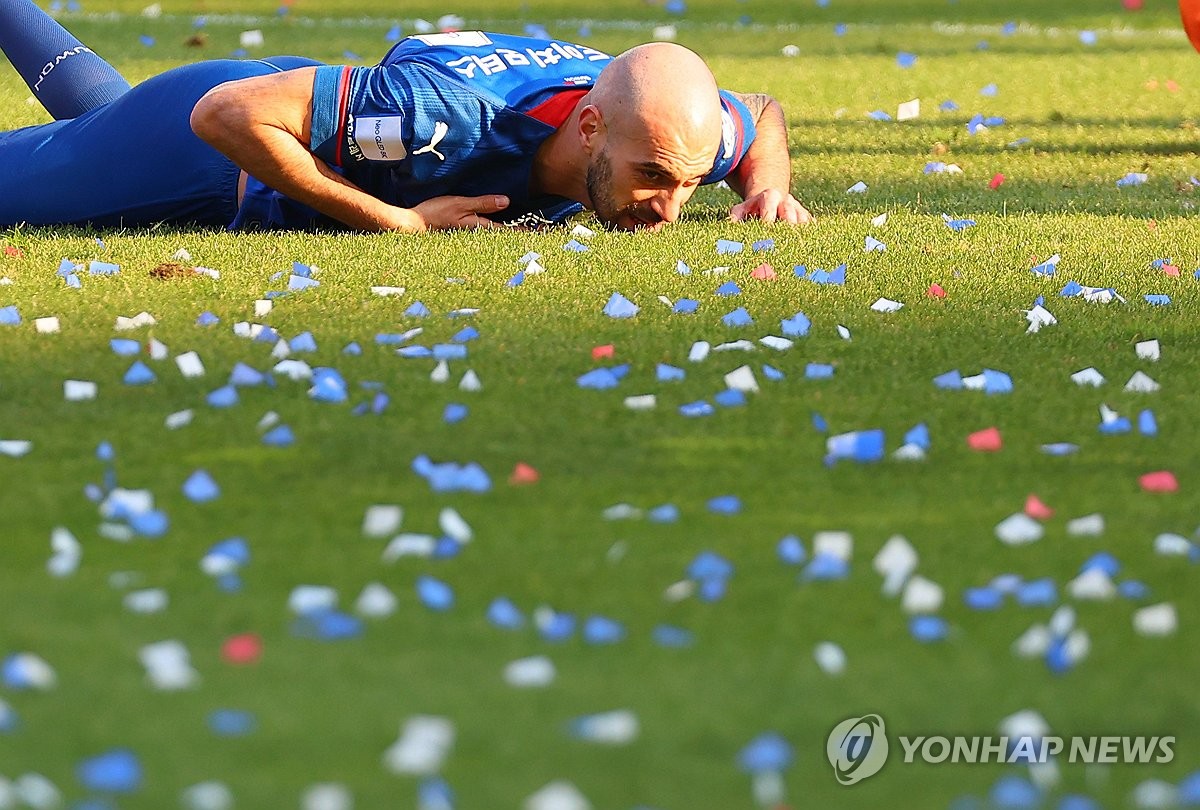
{"x":652,"y":175}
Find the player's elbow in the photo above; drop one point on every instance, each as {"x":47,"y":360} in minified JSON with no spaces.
{"x":215,"y":115}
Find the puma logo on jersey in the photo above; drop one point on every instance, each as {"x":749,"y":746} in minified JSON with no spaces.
{"x":440,"y":130}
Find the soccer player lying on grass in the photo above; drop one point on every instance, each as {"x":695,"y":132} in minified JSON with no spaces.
{"x":449,"y":131}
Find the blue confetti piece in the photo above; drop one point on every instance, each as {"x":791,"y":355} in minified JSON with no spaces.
{"x":675,"y":7}
{"x":379,"y":403}
{"x":598,"y":379}
{"x":730,"y":398}
{"x":452,"y":477}
{"x":619,"y":306}
{"x":766,"y":753}
{"x":297,"y":283}
{"x":328,"y":386}
{"x":116,"y":771}
{"x":465,"y":335}
{"x":206,"y":318}
{"x":1074,"y":801}
{"x":996,"y":382}
{"x":879,"y":115}
{"x":66,"y":267}
{"x":1157,"y":300}
{"x":231,"y":722}
{"x":818,"y":371}
{"x":763,"y":246}
{"x":739,"y":317}
{"x":504,"y":614}
{"x":839,"y":30}
{"x":837,"y":275}
{"x":327,"y":625}
{"x":434,"y":594}
{"x":958,"y":225}
{"x":1071,"y":289}
{"x":271,"y":295}
{"x":1008,"y":29}
{"x":800,"y":271}
{"x":685,"y":306}
{"x":772,"y":373}
{"x":709,"y":565}
{"x":434,"y":794}
{"x":267,"y":335}
{"x":1037,"y":593}
{"x":303,"y":342}
{"x":948,"y":106}
{"x":301,"y":269}
{"x":975,"y":124}
{"x":454,"y":413}
{"x":446,"y":548}
{"x":602,"y":630}
{"x":863,"y":446}
{"x":1146,"y":424}
{"x":825,"y":568}
{"x":394,"y":34}
{"x":906,"y":60}
{"x":146,"y":40}
{"x":949,"y":381}
{"x":983,"y":598}
{"x":918,"y":435}
{"x":98,"y":268}
{"x":200,"y":487}
{"x":989,"y":90}
{"x":666,"y":635}
{"x":1132,"y":179}
{"x":449,"y":351}
{"x":666,"y":513}
{"x":417,"y":310}
{"x":699,"y":408}
{"x":352,"y":349}
{"x":279,"y":436}
{"x":9,"y":316}
{"x":818,"y":276}
{"x":727,"y":247}
{"x":993,"y":121}
{"x":1132,"y":589}
{"x":1012,"y":792}
{"x":125,"y":347}
{"x":575,"y":246}
{"x":725,"y":505}
{"x":1117,"y":426}
{"x":819,"y":424}
{"x":729,"y":288}
{"x":559,"y":627}
{"x":224,"y":397}
{"x":391,"y":338}
{"x":1103,"y":561}
{"x":361,"y":409}
{"x":235,"y":550}
{"x":711,"y":590}
{"x":517,"y":280}
{"x":681,"y":268}
{"x":350,"y":56}
{"x":668,"y":373}
{"x":105,"y":452}
{"x":795,"y":326}
{"x":927,"y":629}
{"x":1087,"y":37}
{"x":151,"y":524}
{"x":10,"y":721}
{"x":244,"y":376}
{"x":73,"y":282}
{"x":790,"y":550}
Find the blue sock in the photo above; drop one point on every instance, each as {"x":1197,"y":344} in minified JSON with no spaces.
{"x":64,"y":75}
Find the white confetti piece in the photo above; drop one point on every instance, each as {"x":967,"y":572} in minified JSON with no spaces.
{"x":46,"y":326}
{"x":382,"y":519}
{"x":79,"y":390}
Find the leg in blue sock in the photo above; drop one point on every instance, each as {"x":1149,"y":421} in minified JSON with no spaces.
{"x":64,"y":74}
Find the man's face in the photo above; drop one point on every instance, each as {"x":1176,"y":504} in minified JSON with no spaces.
{"x":633,"y":185}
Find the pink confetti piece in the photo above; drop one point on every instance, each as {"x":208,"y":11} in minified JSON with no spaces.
{"x":1160,"y":481}
{"x":1037,"y":509}
{"x":935,"y":291}
{"x":996,"y":181}
{"x":764,"y":272}
{"x":601,"y":352}
{"x":242,"y":649}
{"x":985,"y":441}
{"x":523,"y":474}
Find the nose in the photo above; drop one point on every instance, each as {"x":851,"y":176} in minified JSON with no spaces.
{"x":668,"y":203}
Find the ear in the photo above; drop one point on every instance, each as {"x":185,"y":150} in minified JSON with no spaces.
{"x":591,"y":128}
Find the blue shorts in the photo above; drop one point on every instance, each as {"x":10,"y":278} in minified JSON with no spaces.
{"x":133,"y":162}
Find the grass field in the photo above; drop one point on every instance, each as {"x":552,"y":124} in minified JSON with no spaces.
{"x":1078,"y":118}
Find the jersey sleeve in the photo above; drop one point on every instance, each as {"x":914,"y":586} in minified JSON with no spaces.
{"x":737,"y":133}
{"x":361,"y":114}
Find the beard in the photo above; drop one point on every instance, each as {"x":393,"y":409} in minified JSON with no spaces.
{"x":599,"y":188}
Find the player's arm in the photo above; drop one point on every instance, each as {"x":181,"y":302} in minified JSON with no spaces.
{"x":763,"y":177}
{"x":263,"y":124}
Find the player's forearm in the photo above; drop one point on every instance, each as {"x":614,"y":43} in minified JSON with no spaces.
{"x":766,"y":164}
{"x":238,"y":122}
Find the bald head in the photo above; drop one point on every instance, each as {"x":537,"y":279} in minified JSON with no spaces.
{"x":662,"y":86}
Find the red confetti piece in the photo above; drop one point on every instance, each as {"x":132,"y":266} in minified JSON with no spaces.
{"x":997,"y":181}
{"x":985,"y":441}
{"x":600,"y":352}
{"x":1132,"y":5}
{"x":243,"y":649}
{"x":1172,"y":86}
{"x":523,"y":474}
{"x":13,"y":252}
{"x":1036,"y":509}
{"x":935,"y":291}
{"x":764,"y":272}
{"x":1161,"y":481}
{"x":1170,"y":270}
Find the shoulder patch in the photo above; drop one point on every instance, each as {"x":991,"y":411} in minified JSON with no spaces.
{"x":728,"y":134}
{"x":459,"y":39}
{"x":379,"y":137}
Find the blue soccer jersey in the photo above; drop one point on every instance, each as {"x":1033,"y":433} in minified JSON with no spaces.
{"x":456,"y":114}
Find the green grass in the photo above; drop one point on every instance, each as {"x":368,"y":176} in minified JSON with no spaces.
{"x":326,"y":712}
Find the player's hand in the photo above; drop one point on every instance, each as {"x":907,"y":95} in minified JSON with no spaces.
{"x":771,"y":205}
{"x":444,"y":213}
